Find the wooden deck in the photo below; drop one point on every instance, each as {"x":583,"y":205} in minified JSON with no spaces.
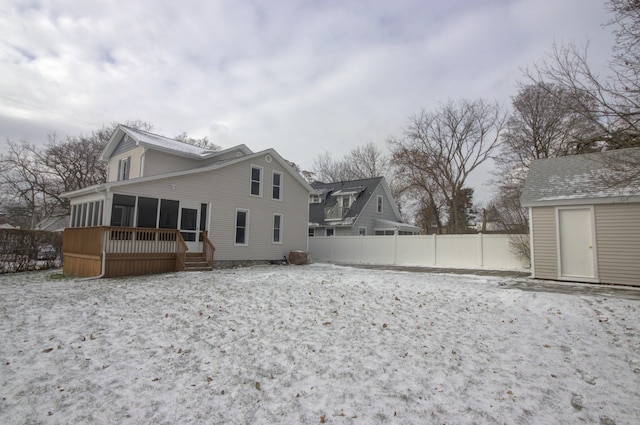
{"x":125,"y":251}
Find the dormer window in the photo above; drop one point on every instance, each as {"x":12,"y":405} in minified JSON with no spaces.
{"x":346,"y":201}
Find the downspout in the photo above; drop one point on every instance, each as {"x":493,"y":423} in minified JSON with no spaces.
{"x":531,"y":259}
{"x":102,"y":271}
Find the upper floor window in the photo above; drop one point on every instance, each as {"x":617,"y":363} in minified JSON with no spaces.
{"x":315,"y":198}
{"x":379,"y":203}
{"x":346,"y":201}
{"x":256,"y":180}
{"x":124,"y":165}
{"x":277,"y":185}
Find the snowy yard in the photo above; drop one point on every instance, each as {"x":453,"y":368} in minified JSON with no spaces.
{"x":312,"y":344}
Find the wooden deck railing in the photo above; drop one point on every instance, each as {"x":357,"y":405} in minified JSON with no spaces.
{"x":126,"y":251}
{"x":207,"y":248}
{"x":181,"y":254}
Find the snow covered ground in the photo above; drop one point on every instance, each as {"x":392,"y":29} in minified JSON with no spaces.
{"x":312,"y":344}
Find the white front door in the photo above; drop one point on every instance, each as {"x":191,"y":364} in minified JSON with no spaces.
{"x":188,"y":226}
{"x":575,"y":243}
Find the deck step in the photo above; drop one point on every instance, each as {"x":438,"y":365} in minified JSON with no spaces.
{"x":195,"y":261}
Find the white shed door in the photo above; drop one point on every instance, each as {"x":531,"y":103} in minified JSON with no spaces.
{"x":576,"y":254}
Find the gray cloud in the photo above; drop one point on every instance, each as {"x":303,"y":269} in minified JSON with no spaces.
{"x":301,"y":77}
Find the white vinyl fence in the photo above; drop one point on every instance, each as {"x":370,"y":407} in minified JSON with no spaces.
{"x":453,"y":251}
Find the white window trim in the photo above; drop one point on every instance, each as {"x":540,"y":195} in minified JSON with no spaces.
{"x":246,"y":227}
{"x":273,"y":229}
{"x":273,"y":184}
{"x":380,"y":204}
{"x":261,"y":182}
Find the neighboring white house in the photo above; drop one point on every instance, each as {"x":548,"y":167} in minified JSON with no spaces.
{"x":584,"y":226}
{"x":252,"y":205}
{"x":356,"y":207}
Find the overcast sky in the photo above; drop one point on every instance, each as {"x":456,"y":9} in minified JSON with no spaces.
{"x":303,"y":77}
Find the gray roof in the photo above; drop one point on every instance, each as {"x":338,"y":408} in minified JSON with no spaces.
{"x":363,"y":188}
{"x":580,"y":179}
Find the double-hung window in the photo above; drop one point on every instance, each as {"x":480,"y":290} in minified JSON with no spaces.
{"x":242,"y":227}
{"x":256,"y":180}
{"x":276,"y":192}
{"x":277,"y":228}
{"x":124,"y":166}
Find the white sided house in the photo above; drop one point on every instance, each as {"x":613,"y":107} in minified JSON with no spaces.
{"x":584,"y":215}
{"x":248,"y":206}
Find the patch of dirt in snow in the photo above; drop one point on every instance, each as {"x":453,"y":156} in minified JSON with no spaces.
{"x":311,"y":344}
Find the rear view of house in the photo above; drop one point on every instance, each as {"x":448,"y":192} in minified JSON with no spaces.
{"x":584,"y":214}
{"x":164,"y":197}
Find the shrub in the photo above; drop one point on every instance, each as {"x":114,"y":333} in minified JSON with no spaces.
{"x":22,"y":250}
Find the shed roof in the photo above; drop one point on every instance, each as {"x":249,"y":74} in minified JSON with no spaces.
{"x":590,"y":178}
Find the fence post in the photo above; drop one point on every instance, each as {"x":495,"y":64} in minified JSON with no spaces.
{"x":331,"y":250}
{"x":395,"y":247}
{"x":435,"y":251}
{"x":481,"y":249}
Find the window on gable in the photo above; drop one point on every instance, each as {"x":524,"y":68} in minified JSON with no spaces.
{"x":123,"y":168}
{"x":242,"y":227}
{"x":277,"y":185}
{"x":277,"y":228}
{"x":380,"y":203}
{"x":256,"y":180}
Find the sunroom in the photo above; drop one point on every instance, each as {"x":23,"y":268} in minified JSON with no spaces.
{"x":112,"y":234}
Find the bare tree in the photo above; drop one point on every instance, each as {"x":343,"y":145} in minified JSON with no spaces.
{"x":326,"y":169}
{"x":366,"y":162}
{"x":612,"y":102}
{"x":543,"y":124}
{"x":363,"y":162}
{"x":440,"y":149}
{"x":33,"y":178}
{"x":24,"y":183}
{"x":202,"y":143}
{"x":610,"y":106}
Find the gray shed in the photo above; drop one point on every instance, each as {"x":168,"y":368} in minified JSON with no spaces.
{"x":584,"y":227}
